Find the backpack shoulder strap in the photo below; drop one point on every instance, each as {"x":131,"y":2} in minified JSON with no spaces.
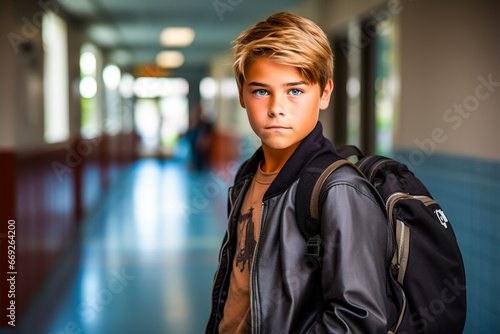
{"x":347,"y":151}
{"x":304,"y":191}
{"x":307,"y":202}
{"x":314,"y":209}
{"x":307,"y":213}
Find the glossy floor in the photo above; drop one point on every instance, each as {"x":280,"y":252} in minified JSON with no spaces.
{"x":145,"y":258}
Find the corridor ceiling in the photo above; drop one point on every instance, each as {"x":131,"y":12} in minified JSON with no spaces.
{"x":131,"y":28}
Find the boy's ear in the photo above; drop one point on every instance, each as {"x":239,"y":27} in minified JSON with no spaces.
{"x":325,"y":96}
{"x":242,"y":102}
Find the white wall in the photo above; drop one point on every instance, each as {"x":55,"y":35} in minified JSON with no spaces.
{"x":445,"y":47}
{"x":335,"y":14}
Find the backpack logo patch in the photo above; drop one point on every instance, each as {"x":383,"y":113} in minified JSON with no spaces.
{"x":442,"y":217}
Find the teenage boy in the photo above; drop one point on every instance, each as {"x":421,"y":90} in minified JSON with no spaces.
{"x":284,"y":68}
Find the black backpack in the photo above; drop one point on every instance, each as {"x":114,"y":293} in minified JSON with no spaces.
{"x":426,"y":284}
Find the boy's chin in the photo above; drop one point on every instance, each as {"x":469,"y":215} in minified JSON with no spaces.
{"x":278,"y":146}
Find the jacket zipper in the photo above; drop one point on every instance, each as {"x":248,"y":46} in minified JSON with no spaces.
{"x":228,"y":232}
{"x":253,"y":315}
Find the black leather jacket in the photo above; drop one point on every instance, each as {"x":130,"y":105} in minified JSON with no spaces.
{"x":357,"y":253}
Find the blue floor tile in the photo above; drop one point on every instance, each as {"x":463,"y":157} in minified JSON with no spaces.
{"x":145,"y":258}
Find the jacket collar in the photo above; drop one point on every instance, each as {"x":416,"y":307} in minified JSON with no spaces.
{"x":313,"y":145}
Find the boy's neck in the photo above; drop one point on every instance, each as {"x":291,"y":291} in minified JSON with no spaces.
{"x":275,"y":159}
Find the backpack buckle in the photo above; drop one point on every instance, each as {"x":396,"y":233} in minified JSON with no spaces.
{"x":314,"y":252}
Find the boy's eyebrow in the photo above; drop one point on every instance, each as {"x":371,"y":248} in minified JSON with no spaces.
{"x":287,"y":84}
{"x":298,"y":83}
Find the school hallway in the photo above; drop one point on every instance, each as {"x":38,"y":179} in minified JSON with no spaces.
{"x":145,"y":258}
{"x":109,"y":109}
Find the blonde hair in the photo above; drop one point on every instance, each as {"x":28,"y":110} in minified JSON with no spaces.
{"x":286,"y":39}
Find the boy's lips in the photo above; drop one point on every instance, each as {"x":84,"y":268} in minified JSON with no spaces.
{"x":277,"y":127}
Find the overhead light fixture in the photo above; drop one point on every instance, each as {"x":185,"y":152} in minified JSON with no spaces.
{"x":169,"y":59}
{"x":103,"y":34}
{"x":177,"y":36}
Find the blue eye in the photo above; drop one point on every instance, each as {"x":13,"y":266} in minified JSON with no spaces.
{"x":260,"y":92}
{"x":295,"y":91}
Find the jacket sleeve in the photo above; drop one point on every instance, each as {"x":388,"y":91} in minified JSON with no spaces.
{"x":357,"y":252}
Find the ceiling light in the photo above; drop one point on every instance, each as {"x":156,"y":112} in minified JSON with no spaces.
{"x":177,"y":37}
{"x":169,"y":59}
{"x":103,"y":34}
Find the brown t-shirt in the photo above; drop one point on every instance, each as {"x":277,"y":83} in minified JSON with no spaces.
{"x":236,"y":317}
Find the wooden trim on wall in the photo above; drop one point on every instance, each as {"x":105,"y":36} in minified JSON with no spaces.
{"x":7,"y":212}
{"x":46,"y":191}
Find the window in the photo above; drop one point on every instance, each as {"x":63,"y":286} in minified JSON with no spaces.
{"x":161,"y":113}
{"x":385,"y":89}
{"x":367,"y":67}
{"x":89,"y":91}
{"x":111,"y":76}
{"x":56,"y":91}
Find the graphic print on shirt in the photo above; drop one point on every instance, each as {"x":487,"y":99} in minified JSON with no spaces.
{"x":246,"y":240}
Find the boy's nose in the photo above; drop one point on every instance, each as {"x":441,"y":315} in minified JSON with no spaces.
{"x":276,"y":107}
